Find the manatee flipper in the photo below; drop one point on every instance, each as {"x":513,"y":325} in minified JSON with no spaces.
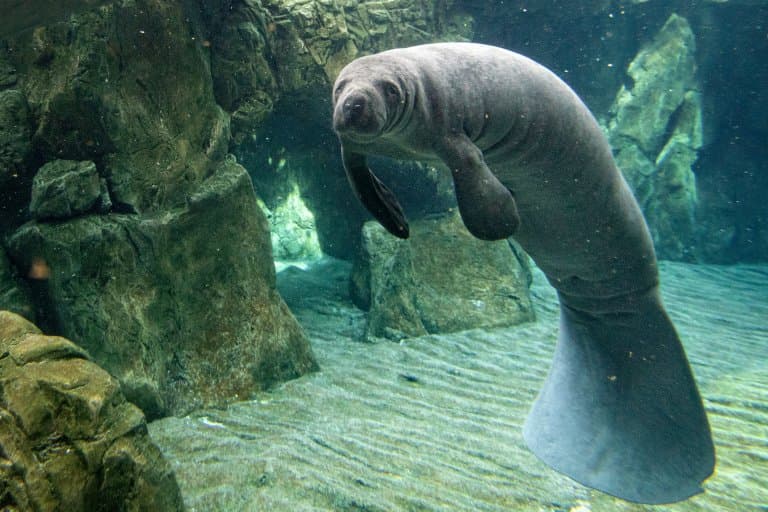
{"x":487,"y":207}
{"x":374,"y":195}
{"x":619,"y":410}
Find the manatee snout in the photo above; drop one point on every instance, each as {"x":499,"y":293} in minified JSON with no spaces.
{"x":358,"y":112}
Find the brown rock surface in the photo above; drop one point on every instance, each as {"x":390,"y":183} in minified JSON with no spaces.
{"x":68,"y":438}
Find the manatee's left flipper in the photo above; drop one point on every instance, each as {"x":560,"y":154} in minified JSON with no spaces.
{"x":619,"y":410}
{"x":487,"y":207}
{"x":374,"y":195}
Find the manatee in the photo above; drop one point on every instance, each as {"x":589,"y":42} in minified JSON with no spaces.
{"x":619,"y":410}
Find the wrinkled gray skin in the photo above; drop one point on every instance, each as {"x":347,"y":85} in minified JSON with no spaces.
{"x":619,"y":410}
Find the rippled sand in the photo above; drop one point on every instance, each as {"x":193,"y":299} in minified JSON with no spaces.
{"x":434,"y":423}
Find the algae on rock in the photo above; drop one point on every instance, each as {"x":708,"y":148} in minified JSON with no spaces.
{"x":292,"y":228}
{"x":440,"y":280}
{"x":164,"y":271}
{"x":15,"y":295}
{"x":180,"y":305}
{"x":65,"y":188}
{"x":68,"y":438}
{"x":127,"y":86}
{"x":656,"y":131}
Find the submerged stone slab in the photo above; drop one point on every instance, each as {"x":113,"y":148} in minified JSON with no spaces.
{"x":440,"y":280}
{"x":180,"y":306}
{"x":68,"y":438}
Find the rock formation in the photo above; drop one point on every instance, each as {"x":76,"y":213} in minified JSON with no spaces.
{"x":68,"y":438}
{"x":15,"y":295}
{"x":440,"y":280}
{"x":293,"y":228}
{"x":273,"y":65}
{"x":65,"y":188}
{"x":146,"y":244}
{"x":179,"y":305}
{"x":656,"y":131}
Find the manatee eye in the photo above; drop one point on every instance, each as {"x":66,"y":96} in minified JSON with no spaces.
{"x":393,"y":94}
{"x":339,"y":88}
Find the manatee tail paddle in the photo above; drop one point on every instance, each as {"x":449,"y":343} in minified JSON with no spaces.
{"x":620,"y":411}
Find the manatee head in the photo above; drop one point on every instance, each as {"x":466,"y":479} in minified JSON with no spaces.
{"x":370,"y":97}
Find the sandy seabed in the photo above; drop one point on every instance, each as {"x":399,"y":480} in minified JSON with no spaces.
{"x":435,"y":423}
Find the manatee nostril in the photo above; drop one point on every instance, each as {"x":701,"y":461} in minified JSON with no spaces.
{"x":354,"y":107}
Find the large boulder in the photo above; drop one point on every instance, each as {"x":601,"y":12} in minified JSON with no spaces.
{"x":147,"y":246}
{"x":441,"y":279}
{"x":68,"y":438}
{"x":180,"y":305}
{"x":656,"y":131}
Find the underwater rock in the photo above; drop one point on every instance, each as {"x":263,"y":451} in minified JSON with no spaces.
{"x":15,"y":151}
{"x":383,"y":281}
{"x":440,"y":280}
{"x":14,"y":295}
{"x":293,"y":230}
{"x":68,"y":438}
{"x":173,"y":290}
{"x":181,"y":305}
{"x":273,"y":63}
{"x":263,"y":51}
{"x":15,"y":142}
{"x":655,"y":129}
{"x":127,"y":86}
{"x":66,"y":188}
{"x":244,"y":82}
